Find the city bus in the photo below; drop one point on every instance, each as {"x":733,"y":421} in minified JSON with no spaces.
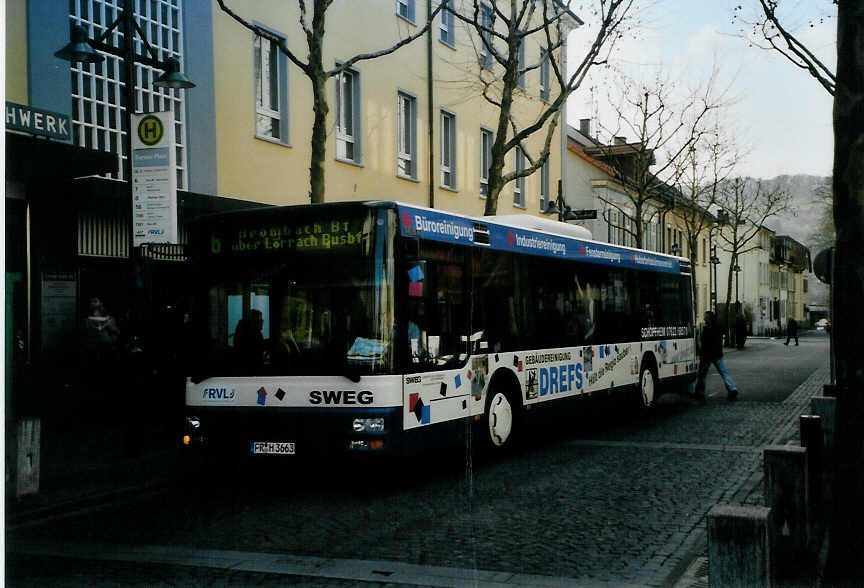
{"x":388,"y":328}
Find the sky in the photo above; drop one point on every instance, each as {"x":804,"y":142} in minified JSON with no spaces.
{"x":781,"y":115}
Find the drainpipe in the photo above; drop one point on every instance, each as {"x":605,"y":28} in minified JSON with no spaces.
{"x":431,"y":109}
{"x":562,"y":124}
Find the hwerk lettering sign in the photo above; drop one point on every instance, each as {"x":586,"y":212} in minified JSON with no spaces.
{"x":36,"y":121}
{"x":154,"y":178}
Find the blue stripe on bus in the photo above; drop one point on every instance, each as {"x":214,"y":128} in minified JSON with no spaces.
{"x":437,"y":226}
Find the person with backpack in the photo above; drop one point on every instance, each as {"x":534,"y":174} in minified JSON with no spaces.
{"x":711,"y":352}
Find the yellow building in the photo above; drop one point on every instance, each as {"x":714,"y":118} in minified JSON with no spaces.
{"x":411,"y":126}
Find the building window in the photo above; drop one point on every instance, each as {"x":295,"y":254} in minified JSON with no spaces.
{"x":448,"y":149}
{"x":520,"y":64}
{"x":519,"y":183}
{"x":649,"y":236}
{"x":348,"y":116}
{"x":405,"y":9}
{"x":98,"y":108}
{"x":486,"y":140}
{"x":406,"y":135}
{"x":270,"y":91}
{"x":447,"y":30}
{"x":544,"y":186}
{"x":486,"y":36}
{"x":544,"y":75}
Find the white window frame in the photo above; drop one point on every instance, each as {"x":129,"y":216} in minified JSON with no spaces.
{"x":406,"y":135}
{"x":348,"y":139}
{"x":448,"y":149}
{"x":446,"y":24}
{"x":545,"y":75}
{"x":487,"y":138}
{"x":405,"y":10}
{"x":262,"y":87}
{"x":544,"y":186}
{"x":519,"y":183}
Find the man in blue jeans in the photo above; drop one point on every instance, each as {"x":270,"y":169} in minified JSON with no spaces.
{"x":711,"y":351}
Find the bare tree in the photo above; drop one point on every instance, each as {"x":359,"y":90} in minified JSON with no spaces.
{"x":748,"y":204}
{"x":844,"y":563}
{"x":659,"y":126}
{"x":313,"y":68}
{"x":767,"y":31}
{"x":708,"y":165}
{"x":824,"y":234}
{"x":500,"y":39}
{"x":846,"y":542}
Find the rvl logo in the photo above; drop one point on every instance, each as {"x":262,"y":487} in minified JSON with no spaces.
{"x":218,"y":394}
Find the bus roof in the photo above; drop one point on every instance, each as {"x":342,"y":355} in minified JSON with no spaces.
{"x":529,"y":238}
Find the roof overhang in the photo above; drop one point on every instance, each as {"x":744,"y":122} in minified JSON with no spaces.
{"x":29,"y":158}
{"x":569,"y":17}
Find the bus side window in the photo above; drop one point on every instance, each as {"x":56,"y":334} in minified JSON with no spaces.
{"x":437,"y":321}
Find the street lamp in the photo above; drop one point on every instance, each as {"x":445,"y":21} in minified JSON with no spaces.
{"x":564,"y":212}
{"x":83,"y":49}
{"x":736,"y":268}
{"x":715,"y":261}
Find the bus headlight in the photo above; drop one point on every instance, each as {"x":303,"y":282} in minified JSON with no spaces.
{"x":369,"y":425}
{"x":192,"y":434}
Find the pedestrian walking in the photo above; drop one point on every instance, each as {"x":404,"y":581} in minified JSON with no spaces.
{"x":711,"y":351}
{"x":791,"y":331}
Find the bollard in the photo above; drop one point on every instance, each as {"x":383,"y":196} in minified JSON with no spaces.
{"x":811,"y":438}
{"x":826,"y":408}
{"x":739,"y":546}
{"x":26,"y":451}
{"x":787,"y":495}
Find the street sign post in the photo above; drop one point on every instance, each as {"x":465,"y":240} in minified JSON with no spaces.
{"x":154,"y":179}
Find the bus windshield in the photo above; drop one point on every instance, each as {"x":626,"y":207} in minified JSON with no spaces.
{"x":305,"y":294}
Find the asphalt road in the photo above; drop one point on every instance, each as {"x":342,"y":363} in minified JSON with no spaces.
{"x":765,"y":369}
{"x":599,"y":498}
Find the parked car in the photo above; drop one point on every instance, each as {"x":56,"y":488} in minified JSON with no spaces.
{"x":823,"y":324}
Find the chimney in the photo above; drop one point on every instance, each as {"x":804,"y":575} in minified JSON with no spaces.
{"x":585,"y":126}
{"x":620,"y":140}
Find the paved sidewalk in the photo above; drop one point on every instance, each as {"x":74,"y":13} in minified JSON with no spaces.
{"x":87,"y":465}
{"x":751,"y":491}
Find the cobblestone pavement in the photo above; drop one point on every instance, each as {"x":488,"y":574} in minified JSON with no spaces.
{"x":620,"y":504}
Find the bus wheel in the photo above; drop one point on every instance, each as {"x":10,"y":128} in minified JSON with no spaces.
{"x":647,"y":385}
{"x":500,"y":420}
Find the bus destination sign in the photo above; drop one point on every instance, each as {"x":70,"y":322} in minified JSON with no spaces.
{"x":273,"y":238}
